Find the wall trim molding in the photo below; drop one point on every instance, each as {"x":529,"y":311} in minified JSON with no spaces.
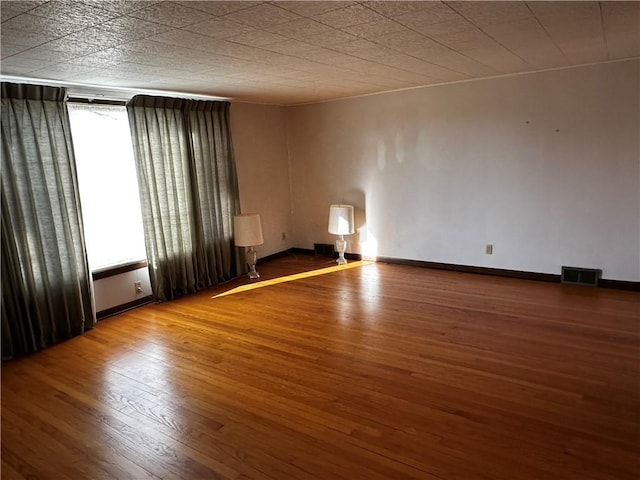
{"x":109,"y":312}
{"x":619,"y":284}
{"x":466,"y":80}
{"x":498,"y":272}
{"x":302,"y":251}
{"x":273,"y":256}
{"x":311,"y":251}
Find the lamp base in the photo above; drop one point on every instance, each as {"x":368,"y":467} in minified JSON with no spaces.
{"x":252,"y":258}
{"x":253,"y":273}
{"x":341,"y":246}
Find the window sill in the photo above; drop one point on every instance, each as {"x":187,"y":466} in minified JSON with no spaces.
{"x":118,"y":269}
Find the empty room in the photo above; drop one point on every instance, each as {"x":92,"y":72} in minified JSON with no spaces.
{"x":320,"y":240}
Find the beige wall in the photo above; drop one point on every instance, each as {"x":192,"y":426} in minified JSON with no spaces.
{"x":543,"y":166}
{"x":260,"y":146}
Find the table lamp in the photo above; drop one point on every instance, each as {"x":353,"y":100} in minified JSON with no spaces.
{"x":248,"y":233}
{"x":341,"y":223}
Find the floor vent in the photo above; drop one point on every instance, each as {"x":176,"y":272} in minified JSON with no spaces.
{"x":323,"y":249}
{"x":580,"y":276}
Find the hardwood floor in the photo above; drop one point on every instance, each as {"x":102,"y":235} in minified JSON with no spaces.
{"x":368,"y":372}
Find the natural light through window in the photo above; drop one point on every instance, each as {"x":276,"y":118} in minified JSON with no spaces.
{"x":108,"y":184}
{"x":291,"y":278}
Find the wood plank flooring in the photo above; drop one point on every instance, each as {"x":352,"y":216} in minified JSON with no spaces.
{"x":369,"y":372}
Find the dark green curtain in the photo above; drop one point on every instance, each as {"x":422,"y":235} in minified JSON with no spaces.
{"x":46,"y":285}
{"x":188,"y":191}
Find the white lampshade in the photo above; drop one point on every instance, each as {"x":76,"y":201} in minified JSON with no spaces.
{"x":247,"y":230}
{"x":341,"y":220}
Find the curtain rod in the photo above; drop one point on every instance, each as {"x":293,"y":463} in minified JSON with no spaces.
{"x":96,"y":101}
{"x":85,"y":90}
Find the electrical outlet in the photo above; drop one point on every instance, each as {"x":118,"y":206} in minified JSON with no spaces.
{"x":488,"y":249}
{"x":138,"y":286}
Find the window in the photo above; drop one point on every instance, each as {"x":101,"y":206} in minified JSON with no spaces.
{"x":108,"y":185}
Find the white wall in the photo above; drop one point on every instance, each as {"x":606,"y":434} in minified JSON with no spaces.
{"x":260,"y":146}
{"x":119,"y":290}
{"x":436,"y":173}
{"x":545,"y":166}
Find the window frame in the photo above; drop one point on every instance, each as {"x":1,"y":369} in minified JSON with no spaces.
{"x":129,"y":266}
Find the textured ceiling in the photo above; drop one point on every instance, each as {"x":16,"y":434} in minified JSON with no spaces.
{"x":289,"y":52}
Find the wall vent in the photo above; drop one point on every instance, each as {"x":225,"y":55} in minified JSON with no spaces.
{"x":323,"y":249}
{"x":580,"y":276}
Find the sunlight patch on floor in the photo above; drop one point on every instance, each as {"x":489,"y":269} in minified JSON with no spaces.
{"x":291,"y":278}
